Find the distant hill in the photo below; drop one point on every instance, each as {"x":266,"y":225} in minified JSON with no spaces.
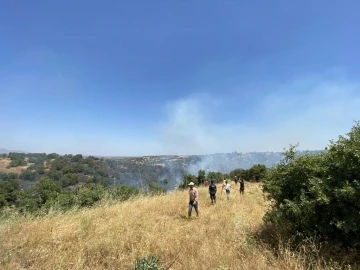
{"x":135,"y":169}
{"x":6,"y":151}
{"x":72,"y":170}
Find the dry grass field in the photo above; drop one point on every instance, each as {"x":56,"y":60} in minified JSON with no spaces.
{"x":114,"y":235}
{"x":4,"y":162}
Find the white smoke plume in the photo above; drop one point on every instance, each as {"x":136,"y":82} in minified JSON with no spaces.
{"x":309,"y":112}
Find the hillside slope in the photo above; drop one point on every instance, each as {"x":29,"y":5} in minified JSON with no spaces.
{"x":4,"y":163}
{"x":113,"y":236}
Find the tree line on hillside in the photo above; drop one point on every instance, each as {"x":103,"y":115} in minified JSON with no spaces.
{"x":51,"y":180}
{"x":68,"y":170}
{"x":256,"y":173}
{"x":58,"y":181}
{"x":48,"y":193}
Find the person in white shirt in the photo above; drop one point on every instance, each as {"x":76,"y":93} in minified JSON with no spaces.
{"x":227,"y":189}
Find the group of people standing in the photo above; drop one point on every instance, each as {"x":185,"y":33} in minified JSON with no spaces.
{"x":194,"y":194}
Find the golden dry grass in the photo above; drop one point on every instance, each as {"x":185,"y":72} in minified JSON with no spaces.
{"x":4,"y":162}
{"x":114,"y":235}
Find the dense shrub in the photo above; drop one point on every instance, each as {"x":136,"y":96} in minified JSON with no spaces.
{"x":39,"y":195}
{"x":63,"y":201}
{"x":216,"y":176}
{"x":17,"y":159}
{"x":187,"y":179}
{"x":65,"y":182}
{"x":28,"y":175}
{"x":155,"y":188}
{"x":256,"y":173}
{"x":319,"y":195}
{"x":123,"y":193}
{"x":8,"y":188}
{"x":147,"y":263}
{"x":8,"y":176}
{"x":90,"y":194}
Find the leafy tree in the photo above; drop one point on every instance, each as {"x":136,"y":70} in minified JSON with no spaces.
{"x":34,"y":198}
{"x":67,"y":169}
{"x":122,"y":192}
{"x":55,"y":175}
{"x":237,"y":172}
{"x":216,"y":176}
{"x":8,"y":191}
{"x":69,"y":180}
{"x":77,"y":158}
{"x":8,"y":176}
{"x":201,"y":177}
{"x":28,"y":175}
{"x":155,"y":188}
{"x":17,"y":159}
{"x":187,"y":179}
{"x":64,"y":200}
{"x":39,"y":168}
{"x":90,"y":194}
{"x":257,"y":172}
{"x":319,"y":195}
{"x":32,"y":160}
{"x":52,"y":156}
{"x":102,"y":172}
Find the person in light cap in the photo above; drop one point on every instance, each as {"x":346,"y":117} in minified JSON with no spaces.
{"x":193,"y":199}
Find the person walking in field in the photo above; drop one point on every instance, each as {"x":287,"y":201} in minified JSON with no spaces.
{"x":224,"y":183}
{"x":227,"y":189}
{"x":193,"y":199}
{"x":212,"y":191}
{"x":223,"y":186}
{"x":242,"y":186}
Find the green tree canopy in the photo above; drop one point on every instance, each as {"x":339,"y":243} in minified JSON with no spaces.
{"x":319,"y":195}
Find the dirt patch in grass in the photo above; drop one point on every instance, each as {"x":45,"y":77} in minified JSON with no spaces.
{"x":4,"y":163}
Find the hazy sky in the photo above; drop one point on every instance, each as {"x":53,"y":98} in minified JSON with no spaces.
{"x":177,"y":77}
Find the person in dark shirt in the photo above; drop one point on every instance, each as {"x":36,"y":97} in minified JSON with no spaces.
{"x":212,"y":191}
{"x":242,"y":186}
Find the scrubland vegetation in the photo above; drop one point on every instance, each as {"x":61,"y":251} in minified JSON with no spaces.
{"x":302,"y":213}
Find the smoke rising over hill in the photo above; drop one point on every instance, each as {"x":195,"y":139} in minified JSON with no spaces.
{"x":198,"y":125}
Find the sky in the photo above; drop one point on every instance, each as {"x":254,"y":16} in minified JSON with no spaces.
{"x":130,"y":78}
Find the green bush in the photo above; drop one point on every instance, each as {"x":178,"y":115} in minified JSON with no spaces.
{"x":257,"y":172}
{"x":63,"y":201}
{"x":187,"y":179}
{"x":89,"y":195}
{"x":17,"y":159}
{"x":8,"y":190}
{"x":8,"y":176}
{"x":216,"y":176}
{"x":155,"y":188}
{"x":28,"y":175}
{"x":148,"y":263}
{"x":123,"y":193}
{"x":319,"y":195}
{"x":38,"y":195}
